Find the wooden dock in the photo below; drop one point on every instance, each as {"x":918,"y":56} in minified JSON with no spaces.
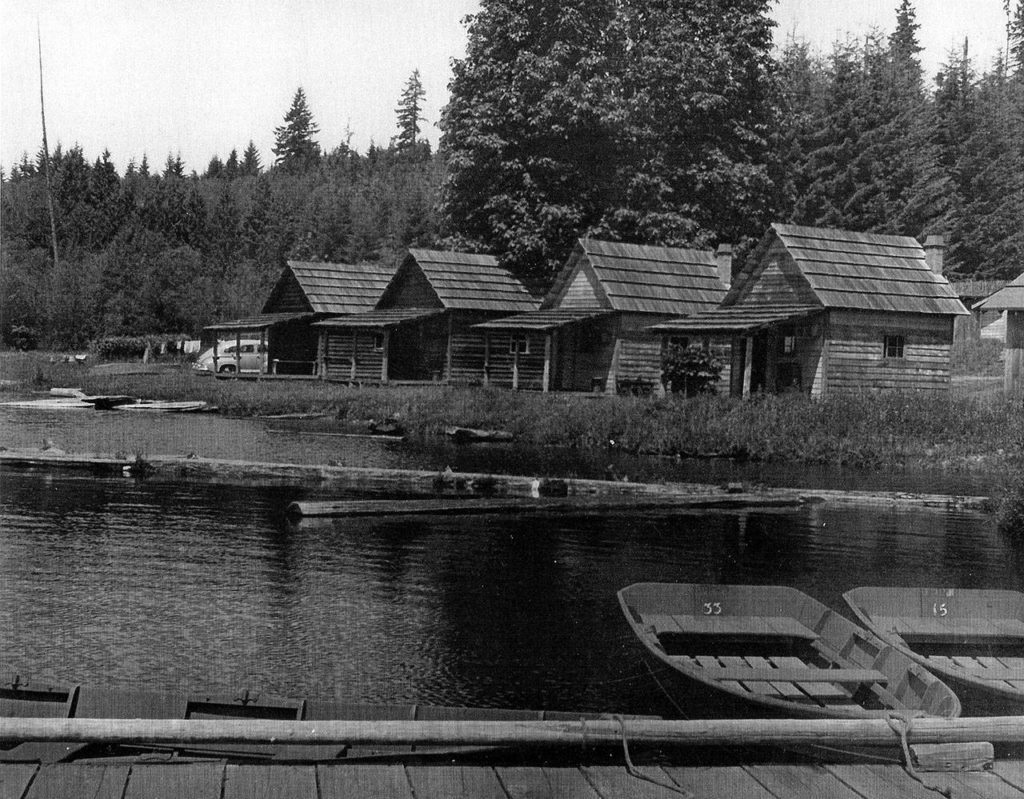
{"x":140,"y":778}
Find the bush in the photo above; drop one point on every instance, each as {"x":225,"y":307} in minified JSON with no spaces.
{"x":690,"y":370}
{"x":1010,"y":517}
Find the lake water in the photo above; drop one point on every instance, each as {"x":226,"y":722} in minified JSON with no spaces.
{"x":109,"y":581}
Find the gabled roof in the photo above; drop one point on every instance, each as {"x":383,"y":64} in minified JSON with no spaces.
{"x":645,"y":278}
{"x":738,"y":319}
{"x":1010,"y":298}
{"x":259,"y":321}
{"x":547,"y":319}
{"x":334,"y":288}
{"x":466,"y":281}
{"x":864,"y":271}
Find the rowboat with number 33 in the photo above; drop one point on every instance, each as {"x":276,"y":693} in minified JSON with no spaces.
{"x":768,"y":650}
{"x":972,"y":638}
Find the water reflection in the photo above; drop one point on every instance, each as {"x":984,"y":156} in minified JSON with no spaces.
{"x":208,"y":588}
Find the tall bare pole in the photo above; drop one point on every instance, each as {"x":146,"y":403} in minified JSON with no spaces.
{"x":46,"y":150}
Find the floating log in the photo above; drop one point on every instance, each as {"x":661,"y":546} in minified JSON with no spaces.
{"x":471,"y":435}
{"x":462,"y":507}
{"x":722,"y":732}
{"x":474,"y":483}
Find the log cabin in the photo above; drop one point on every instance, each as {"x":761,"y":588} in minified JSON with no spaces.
{"x":824,"y":311}
{"x":306,"y":292}
{"x":1010,"y":299}
{"x":422,"y":328}
{"x":591,"y":332}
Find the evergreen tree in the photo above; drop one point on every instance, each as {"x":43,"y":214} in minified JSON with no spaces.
{"x":529,"y":130}
{"x":699,"y":102}
{"x":144,"y":166}
{"x":215,"y":168}
{"x":251,"y":165}
{"x":1015,"y":37}
{"x":410,"y":113}
{"x":231,"y":166}
{"x":174,"y":167}
{"x":294,"y":146}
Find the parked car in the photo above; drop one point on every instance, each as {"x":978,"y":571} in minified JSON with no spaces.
{"x":252,"y":357}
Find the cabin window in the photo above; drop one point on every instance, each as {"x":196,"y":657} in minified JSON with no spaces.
{"x":378,"y":342}
{"x":893,"y":347}
{"x":519,"y":344}
{"x":788,"y":345}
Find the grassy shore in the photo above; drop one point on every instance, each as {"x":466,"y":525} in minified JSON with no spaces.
{"x":869,"y":430}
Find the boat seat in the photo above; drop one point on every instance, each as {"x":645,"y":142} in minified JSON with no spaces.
{"x":799,"y":675}
{"x":946,"y":629}
{"x":745,"y":626}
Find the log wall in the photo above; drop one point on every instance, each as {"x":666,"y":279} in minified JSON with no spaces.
{"x":855,"y":358}
{"x":345,"y":346}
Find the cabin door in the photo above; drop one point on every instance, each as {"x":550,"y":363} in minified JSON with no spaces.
{"x":759,"y":364}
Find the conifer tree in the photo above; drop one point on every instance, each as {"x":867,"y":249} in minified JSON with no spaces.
{"x":410,"y":113}
{"x":294,"y":145}
{"x":251,"y":165}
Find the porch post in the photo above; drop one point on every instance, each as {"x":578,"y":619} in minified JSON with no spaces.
{"x":547,"y":362}
{"x":355,"y":354}
{"x":487,"y":358}
{"x":216,"y":357}
{"x":384,"y":359}
{"x":321,"y":354}
{"x":264,"y":365}
{"x":515,"y":361}
{"x":448,"y":354}
{"x":238,"y":353}
{"x":748,"y":364}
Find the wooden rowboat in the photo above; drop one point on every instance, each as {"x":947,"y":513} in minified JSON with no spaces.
{"x":971,"y":638}
{"x":768,"y":650}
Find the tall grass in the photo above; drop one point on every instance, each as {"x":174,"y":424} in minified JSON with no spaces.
{"x":868,"y":430}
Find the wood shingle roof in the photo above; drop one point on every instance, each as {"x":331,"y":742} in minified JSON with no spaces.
{"x":333,"y":288}
{"x":644,"y":278}
{"x":467,"y":281}
{"x":864,"y":271}
{"x":1009,"y":298}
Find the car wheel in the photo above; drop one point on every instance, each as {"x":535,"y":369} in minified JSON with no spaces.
{"x":226,"y":369}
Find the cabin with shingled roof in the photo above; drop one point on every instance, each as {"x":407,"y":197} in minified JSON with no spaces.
{"x":591,"y":332}
{"x":422,"y":328}
{"x":1010,"y":300}
{"x":824,"y":311}
{"x":305,"y":293}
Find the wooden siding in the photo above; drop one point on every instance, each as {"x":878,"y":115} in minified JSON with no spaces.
{"x":856,"y":361}
{"x":344,"y":346}
{"x":502,"y":363}
{"x":774,"y":280}
{"x":410,"y":289}
{"x":639,"y":351}
{"x":584,"y":355}
{"x":467,"y":349}
{"x":287,"y":297}
{"x":581,"y":292}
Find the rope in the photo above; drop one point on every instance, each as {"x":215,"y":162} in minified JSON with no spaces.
{"x":903,"y":730}
{"x":633,"y":771}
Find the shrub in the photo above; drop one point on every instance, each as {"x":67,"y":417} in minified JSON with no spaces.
{"x":690,"y":370}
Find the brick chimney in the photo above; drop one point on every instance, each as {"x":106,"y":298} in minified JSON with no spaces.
{"x":723,"y":258}
{"x":934,"y":246}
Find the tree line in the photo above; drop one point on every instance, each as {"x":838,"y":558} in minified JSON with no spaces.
{"x":656,"y":121}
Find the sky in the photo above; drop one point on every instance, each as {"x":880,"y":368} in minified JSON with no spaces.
{"x":200,"y":77}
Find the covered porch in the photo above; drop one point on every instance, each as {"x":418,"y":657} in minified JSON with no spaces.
{"x":388,"y":345}
{"x":287,"y":345}
{"x":547,"y":350}
{"x":774,"y":349}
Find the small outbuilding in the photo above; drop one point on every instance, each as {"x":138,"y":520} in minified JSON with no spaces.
{"x":591,"y":332}
{"x":824,"y":311}
{"x":422,"y":328}
{"x":1011,"y":300}
{"x":306,"y":292}
{"x":971,"y":293}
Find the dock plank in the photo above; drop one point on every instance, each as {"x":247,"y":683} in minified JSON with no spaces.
{"x":355,"y":782}
{"x":545,"y":783}
{"x":979,"y":785}
{"x":614,"y":782}
{"x":873,"y":781}
{"x":728,"y":782}
{"x":1012,"y":771}
{"x":455,"y":782}
{"x":269,"y":782}
{"x":14,"y":779}
{"x":801,"y":782}
{"x":194,"y":780}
